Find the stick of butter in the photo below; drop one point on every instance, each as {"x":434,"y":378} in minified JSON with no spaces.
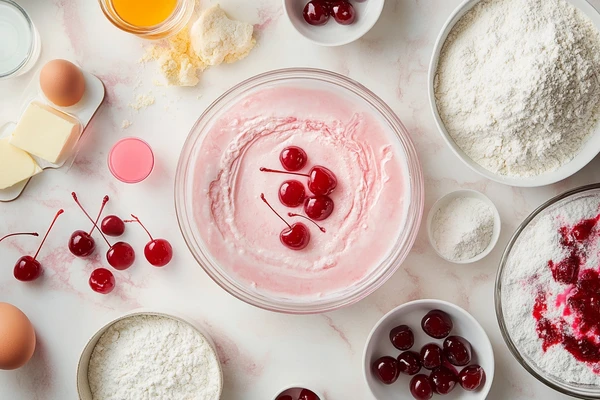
{"x":46,"y":133}
{"x":15,"y":165}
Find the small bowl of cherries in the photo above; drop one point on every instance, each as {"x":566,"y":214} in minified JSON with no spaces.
{"x":298,"y":393}
{"x":333,"y":22}
{"x":428,"y":348}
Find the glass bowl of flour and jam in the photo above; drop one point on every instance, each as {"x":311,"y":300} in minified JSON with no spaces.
{"x":149,"y":19}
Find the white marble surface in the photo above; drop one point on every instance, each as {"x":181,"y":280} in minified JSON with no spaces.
{"x":261,"y":351}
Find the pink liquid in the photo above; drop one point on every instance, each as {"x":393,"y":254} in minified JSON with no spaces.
{"x":131,"y":160}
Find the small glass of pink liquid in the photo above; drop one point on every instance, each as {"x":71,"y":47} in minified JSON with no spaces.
{"x":131,"y":160}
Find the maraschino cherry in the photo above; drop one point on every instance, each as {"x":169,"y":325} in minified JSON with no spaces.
{"x":318,"y":207}
{"x":321,"y":181}
{"x":316,"y":12}
{"x":343,"y":12}
{"x":102,"y":281}
{"x":293,"y":158}
{"x":112,"y":226}
{"x":308,"y":219}
{"x":28,"y":268}
{"x":295,"y":236}
{"x":119,"y":255}
{"x":307,"y":394}
{"x":291,"y":193}
{"x":81,"y":243}
{"x":158,"y":252}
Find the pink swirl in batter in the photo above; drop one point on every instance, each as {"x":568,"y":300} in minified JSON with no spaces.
{"x":242,"y":235}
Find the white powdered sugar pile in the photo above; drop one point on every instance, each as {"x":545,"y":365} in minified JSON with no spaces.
{"x":517,"y":84}
{"x":463,"y":229}
{"x":527,"y":274}
{"x":153,"y":357}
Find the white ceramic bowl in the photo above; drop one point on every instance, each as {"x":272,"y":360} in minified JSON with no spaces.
{"x":294,"y":390}
{"x":83,"y":386}
{"x":378,"y":345}
{"x":332,"y":33}
{"x":444,"y":201}
{"x":588,"y":151}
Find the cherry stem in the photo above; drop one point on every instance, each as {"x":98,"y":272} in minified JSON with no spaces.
{"x":263,"y":169}
{"x":262,"y":196}
{"x":90,"y":218}
{"x":47,"y":232}
{"x":104,"y":201}
{"x":18,"y":234}
{"x":136,"y":219}
{"x":317,"y":225}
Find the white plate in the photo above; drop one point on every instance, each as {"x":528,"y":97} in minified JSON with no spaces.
{"x":83,"y":111}
{"x":332,"y":33}
{"x":589,"y":150}
{"x":379,"y":345}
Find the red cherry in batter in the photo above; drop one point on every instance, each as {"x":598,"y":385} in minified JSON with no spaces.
{"x":306,"y":394}
{"x":158,"y":252}
{"x":81,"y":243}
{"x":293,"y":158}
{"x":471,"y":377}
{"x":421,"y":388}
{"x":386,"y":369}
{"x":320,"y":179}
{"x":295,"y":236}
{"x":316,"y":12}
{"x":343,"y":12}
{"x":119,"y":255}
{"x":102,"y":281}
{"x":28,"y":268}
{"x":112,"y":226}
{"x":291,"y":193}
{"x":436,"y":324}
{"x":318,"y":207}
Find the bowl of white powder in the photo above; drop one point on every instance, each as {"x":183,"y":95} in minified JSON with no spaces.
{"x":547,"y":291}
{"x":463,"y":226}
{"x":147,"y":354}
{"x":514,"y":88}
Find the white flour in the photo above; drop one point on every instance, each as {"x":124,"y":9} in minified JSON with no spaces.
{"x":527,"y":272}
{"x":153,"y":357}
{"x":463,"y":229}
{"x":517,"y":84}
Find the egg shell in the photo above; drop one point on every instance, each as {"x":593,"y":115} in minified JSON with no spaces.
{"x":62,"y":82}
{"x":17,"y":337}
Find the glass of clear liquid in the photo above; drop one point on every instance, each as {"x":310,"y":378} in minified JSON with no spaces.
{"x":20,"y":44}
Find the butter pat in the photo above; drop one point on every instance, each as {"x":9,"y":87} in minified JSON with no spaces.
{"x":15,"y":165}
{"x":217,"y":39}
{"x":46,"y":133}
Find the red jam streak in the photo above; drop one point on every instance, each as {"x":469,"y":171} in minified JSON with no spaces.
{"x":581,"y":298}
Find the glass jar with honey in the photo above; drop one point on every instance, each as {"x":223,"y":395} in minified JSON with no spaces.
{"x":150,"y":19}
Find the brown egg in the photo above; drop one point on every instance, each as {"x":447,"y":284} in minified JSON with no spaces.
{"x":62,"y":82}
{"x":17,"y":337}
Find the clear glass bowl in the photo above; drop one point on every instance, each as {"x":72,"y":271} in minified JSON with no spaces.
{"x":184,"y":180}
{"x":31,"y":41}
{"x":571,"y":389}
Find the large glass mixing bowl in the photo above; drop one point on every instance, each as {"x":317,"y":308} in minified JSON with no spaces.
{"x":191,"y":158}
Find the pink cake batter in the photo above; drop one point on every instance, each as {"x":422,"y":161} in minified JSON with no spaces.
{"x":242,"y":234}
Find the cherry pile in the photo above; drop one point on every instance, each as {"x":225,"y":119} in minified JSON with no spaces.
{"x":120,"y":255}
{"x":298,"y":394}
{"x":292,"y":193}
{"x":455,"y":351}
{"x":317,"y":12}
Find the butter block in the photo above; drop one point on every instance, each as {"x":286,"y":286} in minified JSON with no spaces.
{"x":46,"y":133}
{"x":15,"y":165}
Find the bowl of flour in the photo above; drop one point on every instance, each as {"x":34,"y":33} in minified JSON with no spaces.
{"x":514,"y":88}
{"x":147,"y":354}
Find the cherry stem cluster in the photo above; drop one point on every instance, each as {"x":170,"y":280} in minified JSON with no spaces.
{"x":47,"y":232}
{"x":19,"y":234}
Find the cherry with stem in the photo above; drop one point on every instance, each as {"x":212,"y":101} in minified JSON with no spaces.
{"x":81,"y":243}
{"x":28,"y":268}
{"x":19,"y":234}
{"x":321,"y":181}
{"x":158,"y":252}
{"x":305,"y":217}
{"x":295,"y":236}
{"x":119,"y":255}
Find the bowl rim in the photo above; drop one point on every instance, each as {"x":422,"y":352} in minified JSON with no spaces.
{"x":34,"y":39}
{"x":414,"y":175}
{"x":82,"y":382}
{"x":498,"y":294}
{"x":434,"y":303}
{"x":350,"y":38}
{"x":469,"y":193}
{"x":564,"y":171}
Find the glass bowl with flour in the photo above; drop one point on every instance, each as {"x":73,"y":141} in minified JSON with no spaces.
{"x":514,"y":90}
{"x":547,"y":289}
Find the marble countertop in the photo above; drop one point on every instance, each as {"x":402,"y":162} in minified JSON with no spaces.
{"x":260,"y":351}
